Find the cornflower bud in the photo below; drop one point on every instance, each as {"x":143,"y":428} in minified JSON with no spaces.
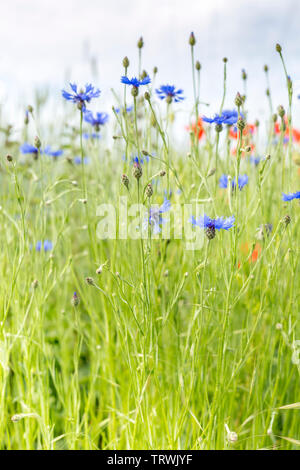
{"x":137,"y":170}
{"x":192,"y":39}
{"x":140,"y":43}
{"x":90,"y":281}
{"x":147,"y":96}
{"x":241,"y":124}
{"x":219,"y":127}
{"x":198,"y":65}
{"x":274,"y":117}
{"x":211,"y":172}
{"x":281,"y":111}
{"x":238,"y":100}
{"x":149,"y":190}
{"x":75,"y":300}
{"x":37,"y":142}
{"x":30,"y":108}
{"x":35,"y":284}
{"x":134,"y":91}
{"x":9,"y":158}
{"x":162,"y":173}
{"x":286,"y":220}
{"x":278,"y":48}
{"x":155,"y":70}
{"x":266,"y":68}
{"x":125,"y":62}
{"x":125,"y":181}
{"x":225,"y":60}
{"x":244,"y":75}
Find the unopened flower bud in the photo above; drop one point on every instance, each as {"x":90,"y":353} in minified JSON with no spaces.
{"x":30,"y":108}
{"x":37,"y":142}
{"x":35,"y":284}
{"x":192,"y":39}
{"x":145,"y":153}
{"x":125,"y":181}
{"x":278,"y":48}
{"x":90,"y":281}
{"x":75,"y":300}
{"x":147,"y":96}
{"x":9,"y":158}
{"x":137,"y":171}
{"x":126,"y":62}
{"x":225,"y":60}
{"x":286,"y":220}
{"x":244,"y":75}
{"x":238,"y":100}
{"x":155,"y":70}
{"x":162,"y":173}
{"x":140,"y":43}
{"x":198,"y":65}
{"x":241,"y":124}
{"x":266,"y":68}
{"x":211,"y":172}
{"x":149,"y":190}
{"x":219,"y":127}
{"x":134,"y":91}
{"x":281,"y":111}
{"x":274,"y":117}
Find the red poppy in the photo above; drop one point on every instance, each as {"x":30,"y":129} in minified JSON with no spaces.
{"x":197,"y":129}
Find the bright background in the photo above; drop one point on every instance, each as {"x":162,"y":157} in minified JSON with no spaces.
{"x":47,"y":42}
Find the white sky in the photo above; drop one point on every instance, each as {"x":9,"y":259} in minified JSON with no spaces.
{"x":45,"y":41}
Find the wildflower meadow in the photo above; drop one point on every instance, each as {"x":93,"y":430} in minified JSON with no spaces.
{"x":150,"y":269}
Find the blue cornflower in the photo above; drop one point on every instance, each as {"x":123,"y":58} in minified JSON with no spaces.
{"x":139,"y":160}
{"x":28,"y":148}
{"x":53,"y":153}
{"x":211,"y":225}
{"x":255,"y":160}
{"x":99,"y":120}
{"x":47,"y":245}
{"x":135,"y":82}
{"x":93,"y":135}
{"x":83,"y":96}
{"x":128,"y":109}
{"x":228,"y":117}
{"x":77,"y":160}
{"x":290,"y":196}
{"x":155,"y":219}
{"x":242,"y":181}
{"x":169,"y":93}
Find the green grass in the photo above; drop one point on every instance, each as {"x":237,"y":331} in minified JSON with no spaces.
{"x":168,"y":348}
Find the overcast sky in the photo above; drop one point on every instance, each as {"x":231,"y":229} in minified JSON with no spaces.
{"x":43,"y":42}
